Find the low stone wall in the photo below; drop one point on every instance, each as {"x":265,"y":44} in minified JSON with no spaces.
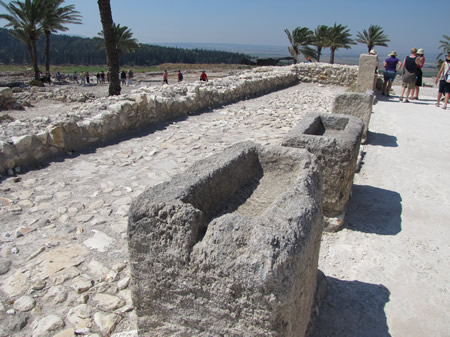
{"x":325,"y":73}
{"x":230,"y":247}
{"x":107,"y":119}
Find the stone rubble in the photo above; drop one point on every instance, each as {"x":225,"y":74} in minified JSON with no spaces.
{"x":64,"y":202}
{"x":27,"y":143}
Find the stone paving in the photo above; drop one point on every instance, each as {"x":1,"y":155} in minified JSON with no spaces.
{"x":63,"y":262}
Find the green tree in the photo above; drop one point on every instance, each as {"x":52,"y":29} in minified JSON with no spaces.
{"x":25,"y":18}
{"x":124,"y":39}
{"x":373,"y":37}
{"x":57,"y":16}
{"x":320,"y":39}
{"x":445,"y":45}
{"x":112,"y":53}
{"x":338,"y":36}
{"x":300,"y":40}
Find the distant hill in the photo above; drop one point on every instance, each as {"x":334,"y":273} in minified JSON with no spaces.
{"x":74,"y":50}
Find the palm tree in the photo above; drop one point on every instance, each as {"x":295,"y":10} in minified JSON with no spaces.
{"x":25,"y":18}
{"x":300,"y":40}
{"x":55,"y":20}
{"x":293,"y":48}
{"x":338,"y":36}
{"x":373,"y":37}
{"x":112,"y":54}
{"x":124,"y":39}
{"x":320,"y":39}
{"x":445,"y":45}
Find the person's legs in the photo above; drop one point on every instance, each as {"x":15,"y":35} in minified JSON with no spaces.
{"x":403,"y":91}
{"x":389,"y":88}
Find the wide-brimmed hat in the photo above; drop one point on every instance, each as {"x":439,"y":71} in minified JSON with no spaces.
{"x":393,"y":53}
{"x":420,"y":51}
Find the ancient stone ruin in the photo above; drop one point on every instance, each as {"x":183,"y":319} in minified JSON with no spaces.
{"x":355,"y":104}
{"x":230,"y":247}
{"x":335,"y":140}
{"x":106,"y":119}
{"x":366,"y":73}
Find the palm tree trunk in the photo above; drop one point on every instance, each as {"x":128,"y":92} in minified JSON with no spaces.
{"x":34,"y":59}
{"x":47,"y":51}
{"x":112,"y":54}
{"x":332,"y":55}
{"x":319,"y":52}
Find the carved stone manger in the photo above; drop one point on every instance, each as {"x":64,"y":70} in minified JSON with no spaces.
{"x":335,"y":139}
{"x":230,"y":247}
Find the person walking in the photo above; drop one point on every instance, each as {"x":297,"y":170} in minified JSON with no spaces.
{"x":420,"y":61}
{"x":123,"y":78}
{"x":130,"y":77}
{"x":391,"y":65}
{"x":165,"y":77}
{"x":75,"y":77}
{"x":409,"y":74}
{"x":443,"y":77}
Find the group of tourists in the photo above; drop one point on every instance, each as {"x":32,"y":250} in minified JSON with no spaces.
{"x":412,"y":75}
{"x":203,"y":77}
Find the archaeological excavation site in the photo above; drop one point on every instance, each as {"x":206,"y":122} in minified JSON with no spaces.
{"x":195,"y":209}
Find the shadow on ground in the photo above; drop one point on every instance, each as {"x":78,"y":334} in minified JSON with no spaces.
{"x":374,"y":210}
{"x":352,"y":309}
{"x":381,"y":139}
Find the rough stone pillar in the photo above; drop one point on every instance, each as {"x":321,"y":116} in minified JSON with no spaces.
{"x":335,"y":139}
{"x":355,"y":104}
{"x":229,"y":248}
{"x":366,"y":73}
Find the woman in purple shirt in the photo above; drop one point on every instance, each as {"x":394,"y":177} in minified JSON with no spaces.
{"x":391,"y":66}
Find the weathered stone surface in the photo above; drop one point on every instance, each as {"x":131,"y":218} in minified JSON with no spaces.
{"x":24,"y":303}
{"x":335,"y":140}
{"x":100,"y":241}
{"x":4,"y":266}
{"x":107,"y":302}
{"x":230,"y":247}
{"x":80,"y":316}
{"x":355,"y":104}
{"x":106,"y":322}
{"x":12,"y":324}
{"x":47,"y":326}
{"x":366,"y":72}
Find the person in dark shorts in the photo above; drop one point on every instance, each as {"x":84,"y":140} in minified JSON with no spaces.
{"x":391,"y":65}
{"x":443,"y":77}
{"x":420,"y":61}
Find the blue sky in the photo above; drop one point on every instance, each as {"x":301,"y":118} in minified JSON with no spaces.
{"x":408,"y":24}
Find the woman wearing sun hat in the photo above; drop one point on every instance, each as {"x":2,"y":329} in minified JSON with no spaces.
{"x":420,"y":61}
{"x":391,"y":65}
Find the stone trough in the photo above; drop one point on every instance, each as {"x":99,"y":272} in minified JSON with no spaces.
{"x":230,"y":247}
{"x":335,"y":139}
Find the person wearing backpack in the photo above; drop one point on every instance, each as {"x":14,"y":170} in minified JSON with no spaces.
{"x":443,"y":77}
{"x":180,"y":76}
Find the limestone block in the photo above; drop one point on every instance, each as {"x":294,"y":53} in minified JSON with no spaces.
{"x":366,"y":73}
{"x":335,"y":139}
{"x":355,"y":104}
{"x":57,"y":136}
{"x":230,"y":247}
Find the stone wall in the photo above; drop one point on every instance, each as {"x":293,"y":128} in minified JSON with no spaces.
{"x":230,"y":247}
{"x":325,"y":73}
{"x":107,"y":119}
